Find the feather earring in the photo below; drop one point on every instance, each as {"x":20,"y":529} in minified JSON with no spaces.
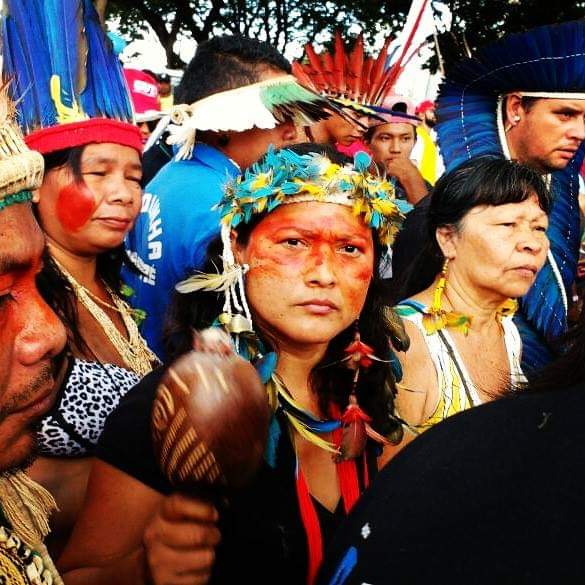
{"x":356,"y":423}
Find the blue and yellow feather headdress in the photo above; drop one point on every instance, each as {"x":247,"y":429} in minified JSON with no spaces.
{"x":547,"y":62}
{"x":67,"y":82}
{"x":284,"y":177}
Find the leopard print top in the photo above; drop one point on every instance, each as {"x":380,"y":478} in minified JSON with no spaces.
{"x":90,"y":393}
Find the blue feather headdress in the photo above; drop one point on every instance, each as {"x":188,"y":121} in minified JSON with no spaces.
{"x":545,"y":62}
{"x":67,"y":81}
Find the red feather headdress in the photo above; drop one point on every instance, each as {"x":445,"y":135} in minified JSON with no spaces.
{"x":351,"y":79}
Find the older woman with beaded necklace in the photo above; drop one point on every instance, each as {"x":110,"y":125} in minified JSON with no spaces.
{"x":486,"y":241}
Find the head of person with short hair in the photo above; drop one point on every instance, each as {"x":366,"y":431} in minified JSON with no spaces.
{"x":164,"y":84}
{"x":395,"y":137}
{"x":391,"y":141}
{"x":523,"y":98}
{"x":235,"y":121}
{"x":30,"y":333}
{"x":427,"y":112}
{"x":31,"y":341}
{"x":543,"y":133}
{"x":144,"y":93}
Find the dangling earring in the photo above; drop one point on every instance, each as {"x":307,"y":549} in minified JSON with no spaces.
{"x":356,"y":427}
{"x":439,"y":289}
{"x":436,"y":318}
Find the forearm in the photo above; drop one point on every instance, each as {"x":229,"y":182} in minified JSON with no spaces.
{"x":415,"y":188}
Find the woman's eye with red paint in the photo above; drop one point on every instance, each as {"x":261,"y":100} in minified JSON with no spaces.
{"x":351,"y":250}
{"x":5,"y":297}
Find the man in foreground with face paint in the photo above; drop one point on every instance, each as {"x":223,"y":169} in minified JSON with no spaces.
{"x":522,"y":98}
{"x":237,"y":98}
{"x":30,"y":336}
{"x":90,"y":196}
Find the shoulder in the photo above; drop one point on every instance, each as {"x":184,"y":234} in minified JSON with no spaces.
{"x":126,"y":441}
{"x":178,"y":173}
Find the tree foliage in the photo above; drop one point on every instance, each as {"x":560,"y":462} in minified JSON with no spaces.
{"x":475,"y":22}
{"x":479,"y":22}
{"x":277,"y":21}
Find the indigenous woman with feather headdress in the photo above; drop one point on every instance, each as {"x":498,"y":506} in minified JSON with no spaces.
{"x":299,"y":293}
{"x":74,"y":108}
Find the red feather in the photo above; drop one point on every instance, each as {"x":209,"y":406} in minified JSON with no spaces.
{"x":303,"y":77}
{"x":339,"y":65}
{"x":377,"y":73}
{"x":316,"y":68}
{"x":365,"y":80}
{"x":328,"y":69}
{"x":355,"y":68}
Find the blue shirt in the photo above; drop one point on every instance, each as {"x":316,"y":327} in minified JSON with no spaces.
{"x":173,"y":230}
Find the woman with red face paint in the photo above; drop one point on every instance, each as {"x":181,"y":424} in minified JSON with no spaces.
{"x":91,"y":196}
{"x":302,"y":301}
{"x":74,"y":108}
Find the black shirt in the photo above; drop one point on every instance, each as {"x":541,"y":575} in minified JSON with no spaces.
{"x":494,"y":495}
{"x":263,"y":539}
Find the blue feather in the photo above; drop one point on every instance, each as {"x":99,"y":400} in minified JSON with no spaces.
{"x":271,"y":449}
{"x":64,"y":33}
{"x":345,"y":567}
{"x":106,"y":93}
{"x":26,"y":63}
{"x":265,"y":366}
{"x":535,"y":352}
{"x":42,"y":38}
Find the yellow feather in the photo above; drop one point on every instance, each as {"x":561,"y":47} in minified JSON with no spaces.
{"x":310,"y":436}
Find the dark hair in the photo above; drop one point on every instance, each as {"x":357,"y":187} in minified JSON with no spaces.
{"x":372,"y":130}
{"x":54,"y":287}
{"x":484,"y":180}
{"x":227,"y":62}
{"x":331,"y":379}
{"x":527,"y":103}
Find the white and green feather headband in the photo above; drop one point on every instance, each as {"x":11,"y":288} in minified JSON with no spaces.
{"x":260,"y":105}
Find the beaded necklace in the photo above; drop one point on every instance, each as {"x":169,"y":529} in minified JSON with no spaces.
{"x":133,"y":351}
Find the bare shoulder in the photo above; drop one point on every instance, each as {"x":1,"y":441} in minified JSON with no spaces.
{"x":418,"y":387}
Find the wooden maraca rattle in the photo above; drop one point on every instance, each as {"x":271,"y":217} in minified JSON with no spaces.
{"x":210,"y":421}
